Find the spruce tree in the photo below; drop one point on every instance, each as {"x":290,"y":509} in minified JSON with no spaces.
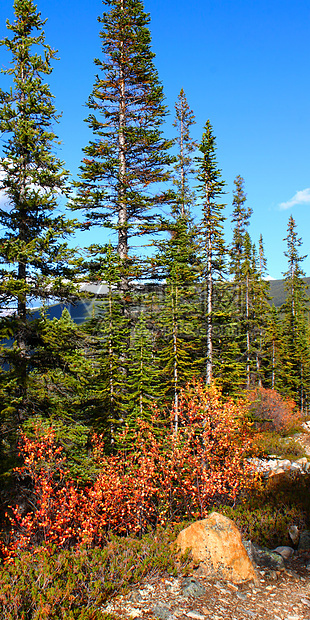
{"x":295,"y":331}
{"x":128,"y":157}
{"x":261,"y":312}
{"x":184,"y":119}
{"x":210,"y":188}
{"x":33,"y":255}
{"x":241,"y":218}
{"x":109,"y":330}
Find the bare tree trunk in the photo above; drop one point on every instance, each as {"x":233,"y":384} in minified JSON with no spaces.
{"x":273,"y":374}
{"x":122,"y":206}
{"x":175,"y":364}
{"x":182,"y":162}
{"x":209,"y":312}
{"x":247,"y":314}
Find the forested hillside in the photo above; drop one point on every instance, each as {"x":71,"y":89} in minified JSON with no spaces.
{"x":183,"y":325}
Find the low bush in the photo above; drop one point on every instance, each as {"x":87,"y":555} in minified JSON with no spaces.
{"x":266,"y":515}
{"x":73,"y":584}
{"x":270,"y":442}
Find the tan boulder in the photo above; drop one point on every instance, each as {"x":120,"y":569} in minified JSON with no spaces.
{"x":216,"y":544}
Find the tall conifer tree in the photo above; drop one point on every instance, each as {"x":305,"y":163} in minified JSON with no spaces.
{"x":295,"y":338}
{"x":128,"y":155}
{"x":184,"y":119}
{"x":211,"y":188}
{"x":33,"y":255}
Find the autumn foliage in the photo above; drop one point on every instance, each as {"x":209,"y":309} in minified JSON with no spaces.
{"x":164,"y":477}
{"x":271,"y":411}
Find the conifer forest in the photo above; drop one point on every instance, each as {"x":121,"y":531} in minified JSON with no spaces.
{"x":158,"y":382}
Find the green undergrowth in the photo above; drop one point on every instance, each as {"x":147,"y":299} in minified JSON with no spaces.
{"x":73,"y":585}
{"x":270,"y":442}
{"x":266,"y":515}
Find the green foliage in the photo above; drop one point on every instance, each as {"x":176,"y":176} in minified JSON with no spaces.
{"x":72,"y":585}
{"x":210,"y":188}
{"x":128,"y":155}
{"x":269,"y":442}
{"x":34,"y":257}
{"x":295,"y":352}
{"x":266,"y":515}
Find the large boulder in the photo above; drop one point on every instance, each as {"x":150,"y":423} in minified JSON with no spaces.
{"x":215,"y":543}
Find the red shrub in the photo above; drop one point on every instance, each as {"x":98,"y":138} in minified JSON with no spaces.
{"x":271,"y":411}
{"x":158,"y":480}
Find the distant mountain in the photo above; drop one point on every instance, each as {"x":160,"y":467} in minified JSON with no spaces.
{"x":278,"y":293}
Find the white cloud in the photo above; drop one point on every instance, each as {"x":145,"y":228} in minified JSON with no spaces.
{"x":300,"y":198}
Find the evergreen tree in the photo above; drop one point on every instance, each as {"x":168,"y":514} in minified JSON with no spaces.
{"x":295,"y":332}
{"x":128,"y":156}
{"x":210,"y":188}
{"x":143,"y":384}
{"x":33,"y":255}
{"x":273,"y":349}
{"x":184,"y":119}
{"x":241,"y":218}
{"x":178,"y":319}
{"x":261,"y":312}
{"x":110,"y":333}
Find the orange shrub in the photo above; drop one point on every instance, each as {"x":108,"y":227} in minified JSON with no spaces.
{"x":179,"y":475}
{"x":271,"y":411}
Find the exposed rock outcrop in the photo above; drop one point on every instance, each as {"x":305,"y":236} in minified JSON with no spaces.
{"x":216,"y":545}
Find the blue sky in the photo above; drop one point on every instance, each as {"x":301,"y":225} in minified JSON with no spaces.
{"x":243,"y":64}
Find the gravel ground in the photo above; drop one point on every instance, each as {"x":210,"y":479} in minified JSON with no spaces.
{"x":277,"y":595}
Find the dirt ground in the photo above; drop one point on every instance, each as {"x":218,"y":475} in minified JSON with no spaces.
{"x":277,"y":595}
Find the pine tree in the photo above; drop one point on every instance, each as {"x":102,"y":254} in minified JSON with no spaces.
{"x":33,"y":255}
{"x":110,"y":333}
{"x":143,"y":383}
{"x":261,"y":312}
{"x":128,"y":156}
{"x":273,"y":349}
{"x":210,"y":188}
{"x":295,"y":334}
{"x":241,"y":218}
{"x":177,"y":262}
{"x":184,"y":119}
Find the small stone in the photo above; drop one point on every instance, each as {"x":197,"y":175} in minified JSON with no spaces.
{"x":241,"y":595}
{"x":305,"y":601}
{"x":285,"y":552}
{"x":162,"y":612}
{"x":232,"y":586}
{"x":134,"y":613}
{"x":192,"y":587}
{"x":195,"y":615}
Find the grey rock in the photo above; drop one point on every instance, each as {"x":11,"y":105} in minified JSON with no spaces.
{"x":263,"y":557}
{"x":192,"y":587}
{"x":162,"y":612}
{"x":286,"y":552}
{"x":296,"y":467}
{"x":135,"y":597}
{"x":304,"y":540}
{"x":294,"y":534}
{"x":285,"y":463}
